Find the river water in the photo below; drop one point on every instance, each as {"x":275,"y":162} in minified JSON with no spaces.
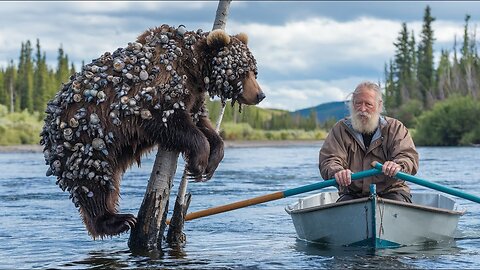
{"x":40,"y":227}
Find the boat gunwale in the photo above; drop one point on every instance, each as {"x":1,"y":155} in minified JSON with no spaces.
{"x":380,"y":200}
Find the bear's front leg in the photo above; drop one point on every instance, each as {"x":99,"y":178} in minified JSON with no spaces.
{"x":216,"y":146}
{"x":181,"y":134}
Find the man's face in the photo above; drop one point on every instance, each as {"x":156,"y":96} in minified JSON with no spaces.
{"x":365,"y":104}
{"x":366,"y":111}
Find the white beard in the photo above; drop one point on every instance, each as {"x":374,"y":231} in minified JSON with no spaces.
{"x":364,"y":122}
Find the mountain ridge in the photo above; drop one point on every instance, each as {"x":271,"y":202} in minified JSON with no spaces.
{"x":325,"y":111}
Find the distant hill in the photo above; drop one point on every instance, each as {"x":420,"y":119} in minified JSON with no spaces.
{"x":325,"y":111}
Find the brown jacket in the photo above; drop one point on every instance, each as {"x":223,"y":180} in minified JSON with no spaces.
{"x":344,"y":149}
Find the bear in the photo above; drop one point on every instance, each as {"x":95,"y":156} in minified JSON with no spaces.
{"x":149,"y":94}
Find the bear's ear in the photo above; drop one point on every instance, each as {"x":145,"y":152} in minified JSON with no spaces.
{"x":243,"y":38}
{"x":218,"y":38}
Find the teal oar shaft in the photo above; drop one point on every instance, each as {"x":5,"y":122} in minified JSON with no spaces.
{"x":328,"y":183}
{"x":425,"y":183}
{"x":274,"y":196}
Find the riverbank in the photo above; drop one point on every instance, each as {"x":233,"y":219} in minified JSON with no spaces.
{"x":35,"y":148}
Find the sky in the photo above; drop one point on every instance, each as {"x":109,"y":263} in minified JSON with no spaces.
{"x":307,"y":52}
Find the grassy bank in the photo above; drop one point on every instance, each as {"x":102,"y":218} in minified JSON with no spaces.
{"x":23,"y":128}
{"x":19,"y":128}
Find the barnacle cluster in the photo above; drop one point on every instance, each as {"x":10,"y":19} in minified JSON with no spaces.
{"x":140,"y":80}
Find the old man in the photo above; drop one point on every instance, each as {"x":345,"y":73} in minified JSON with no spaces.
{"x":367,"y":136}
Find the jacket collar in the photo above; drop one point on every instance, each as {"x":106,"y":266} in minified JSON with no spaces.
{"x":358,"y":136}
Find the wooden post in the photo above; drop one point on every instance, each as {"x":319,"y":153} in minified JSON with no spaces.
{"x":175,"y":235}
{"x":151,"y":221}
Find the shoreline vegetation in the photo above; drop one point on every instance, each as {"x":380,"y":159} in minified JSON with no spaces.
{"x":36,"y":148}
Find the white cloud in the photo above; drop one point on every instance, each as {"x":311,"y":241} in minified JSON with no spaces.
{"x":302,"y":62}
{"x":300,"y":94}
{"x":320,"y":42}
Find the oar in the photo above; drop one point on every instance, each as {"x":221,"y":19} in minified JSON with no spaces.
{"x":425,"y":183}
{"x":275,"y":196}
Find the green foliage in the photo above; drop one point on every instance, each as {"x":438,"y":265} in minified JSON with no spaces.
{"x":472,"y":137}
{"x":19,"y":128}
{"x":426,"y":70}
{"x":31,"y":84}
{"x":451,"y":122}
{"x":329,"y":123}
{"x":408,"y":112}
{"x":243,"y":131}
{"x":259,"y":118}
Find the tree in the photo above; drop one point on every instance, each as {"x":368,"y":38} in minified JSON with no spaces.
{"x":444,"y":77}
{"x":63,"y":72}
{"x":24,"y":82}
{"x":9,"y":80}
{"x":3,"y":91}
{"x":467,"y":61}
{"x":40,"y":80}
{"x":402,"y":66}
{"x":426,"y":71}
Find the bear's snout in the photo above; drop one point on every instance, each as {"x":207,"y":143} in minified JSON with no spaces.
{"x":260,"y":97}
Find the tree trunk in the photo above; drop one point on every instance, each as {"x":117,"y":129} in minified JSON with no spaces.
{"x":12,"y":99}
{"x":148,"y":233}
{"x":175,"y":235}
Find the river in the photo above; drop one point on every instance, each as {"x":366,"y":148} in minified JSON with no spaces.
{"x":40,"y":227}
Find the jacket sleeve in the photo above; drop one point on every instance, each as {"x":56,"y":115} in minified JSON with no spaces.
{"x":402,"y":148}
{"x":333,"y":154}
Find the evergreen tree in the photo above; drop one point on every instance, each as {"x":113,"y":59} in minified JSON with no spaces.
{"x":426,"y":71}
{"x":467,"y":61}
{"x":457,"y":78}
{"x":9,"y":80}
{"x":391,"y":95}
{"x":40,"y":80}
{"x":402,"y":66}
{"x":444,"y":76}
{"x":412,"y":84}
{"x":24,"y":83}
{"x":63,"y":72}
{"x":3,"y":92}
{"x":72,"y":69}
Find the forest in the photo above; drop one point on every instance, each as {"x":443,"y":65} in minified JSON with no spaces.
{"x":439,"y":103}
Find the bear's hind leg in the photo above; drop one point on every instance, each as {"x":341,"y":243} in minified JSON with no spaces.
{"x":114,"y":224}
{"x":98,"y":211}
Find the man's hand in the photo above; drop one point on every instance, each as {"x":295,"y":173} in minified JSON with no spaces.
{"x":344,"y":177}
{"x":390,"y":168}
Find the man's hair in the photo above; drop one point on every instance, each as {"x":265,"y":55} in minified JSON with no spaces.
{"x":371,"y":86}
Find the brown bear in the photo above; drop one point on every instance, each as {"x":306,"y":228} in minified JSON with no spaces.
{"x":151,"y":93}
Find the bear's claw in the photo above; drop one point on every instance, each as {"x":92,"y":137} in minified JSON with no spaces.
{"x":113,"y":224}
{"x":197,"y":177}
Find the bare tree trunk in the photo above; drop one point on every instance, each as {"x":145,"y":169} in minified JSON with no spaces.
{"x":12,"y":99}
{"x":148,"y":233}
{"x":469,"y":77}
{"x":222,"y":14}
{"x":175,"y":235}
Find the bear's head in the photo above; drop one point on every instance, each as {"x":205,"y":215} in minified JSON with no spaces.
{"x":232,"y":70}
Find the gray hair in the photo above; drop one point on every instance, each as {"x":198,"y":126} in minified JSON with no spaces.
{"x":371,"y":86}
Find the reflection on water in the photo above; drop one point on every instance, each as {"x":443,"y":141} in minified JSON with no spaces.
{"x":40,"y":227}
{"x":369,"y":258}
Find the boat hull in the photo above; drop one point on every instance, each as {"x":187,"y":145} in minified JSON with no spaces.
{"x":373,"y":221}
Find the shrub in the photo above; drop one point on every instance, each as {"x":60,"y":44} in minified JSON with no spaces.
{"x":451,"y":122}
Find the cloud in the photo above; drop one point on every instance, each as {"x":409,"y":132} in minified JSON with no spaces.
{"x":314,"y":45}
{"x":307,"y":54}
{"x":299,"y":94}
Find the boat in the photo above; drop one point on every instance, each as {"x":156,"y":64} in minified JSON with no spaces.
{"x":374,"y":221}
